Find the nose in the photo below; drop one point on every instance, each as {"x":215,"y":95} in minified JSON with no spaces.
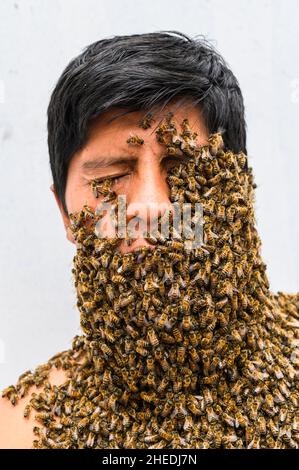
{"x":149,"y":198}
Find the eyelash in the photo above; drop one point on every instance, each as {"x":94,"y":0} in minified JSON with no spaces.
{"x":100,"y":180}
{"x":169,"y":159}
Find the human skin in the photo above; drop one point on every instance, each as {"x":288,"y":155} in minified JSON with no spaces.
{"x":143,"y":182}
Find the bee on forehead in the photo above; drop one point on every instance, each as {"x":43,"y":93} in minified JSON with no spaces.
{"x":135,"y":140}
{"x":145,"y":123}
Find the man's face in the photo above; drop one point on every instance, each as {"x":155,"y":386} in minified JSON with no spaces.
{"x":138,"y":171}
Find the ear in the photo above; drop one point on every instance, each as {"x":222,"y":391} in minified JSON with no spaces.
{"x":65,"y":217}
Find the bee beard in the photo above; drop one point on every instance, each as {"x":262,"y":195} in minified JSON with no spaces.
{"x":186,"y":349}
{"x":178,"y":322}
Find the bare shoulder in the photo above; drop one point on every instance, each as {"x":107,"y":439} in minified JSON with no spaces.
{"x":16,"y":432}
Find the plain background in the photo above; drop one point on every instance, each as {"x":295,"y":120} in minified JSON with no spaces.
{"x":259,"y":39}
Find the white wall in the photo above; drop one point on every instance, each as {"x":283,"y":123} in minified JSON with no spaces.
{"x":259,"y":39}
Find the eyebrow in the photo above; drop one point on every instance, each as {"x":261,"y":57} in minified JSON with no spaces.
{"x":102,"y":162}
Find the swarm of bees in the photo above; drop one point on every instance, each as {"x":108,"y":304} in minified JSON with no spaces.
{"x":180,"y":348}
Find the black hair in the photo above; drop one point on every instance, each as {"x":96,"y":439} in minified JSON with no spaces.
{"x":139,"y":72}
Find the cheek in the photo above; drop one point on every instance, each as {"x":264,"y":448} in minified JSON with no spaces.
{"x":78,"y":194}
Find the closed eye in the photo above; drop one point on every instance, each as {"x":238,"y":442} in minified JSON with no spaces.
{"x":115,"y":179}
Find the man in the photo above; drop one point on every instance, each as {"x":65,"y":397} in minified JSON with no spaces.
{"x":97,"y":105}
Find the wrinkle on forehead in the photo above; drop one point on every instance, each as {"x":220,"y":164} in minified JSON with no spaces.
{"x":177,"y":106}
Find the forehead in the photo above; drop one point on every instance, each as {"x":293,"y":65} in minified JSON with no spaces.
{"x":108,"y":133}
{"x":118,"y":121}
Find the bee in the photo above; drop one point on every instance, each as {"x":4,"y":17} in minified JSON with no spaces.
{"x":145,"y":123}
{"x":164,"y":364}
{"x":151,"y":379}
{"x":135,"y":140}
{"x":142,"y":351}
{"x":103,"y":187}
{"x":227,"y":269}
{"x":273,"y":428}
{"x":192,"y":405}
{"x":283,"y":413}
{"x":188,"y":423}
{"x":269,"y":402}
{"x":254,"y":443}
{"x":207,"y":339}
{"x":217,"y":439}
{"x":83,"y":423}
{"x":193,"y":338}
{"x":277,"y":371}
{"x":11,"y":393}
{"x":174,"y":292}
{"x":106,"y":350}
{"x":189,"y":382}
{"x":27,"y":411}
{"x":240,"y":420}
{"x":132,"y":332}
{"x":156,"y":302}
{"x":241,"y":211}
{"x":163,"y":385}
{"x":235,"y":336}
{"x":237,"y":388}
{"x":211,"y":415}
{"x":206,"y":363}
{"x":150,"y":286}
{"x":146,"y":301}
{"x":242,"y":159}
{"x":278,"y":397}
{"x":221,"y":346}
{"x":283,"y":388}
{"x":181,"y":354}
{"x":215,"y":143}
{"x":167,"y":408}
{"x":172,"y":150}
{"x":158,"y":353}
{"x":162,"y":321}
{"x":118,"y":279}
{"x":166,"y":435}
{"x":152,"y":337}
{"x":229,"y":420}
{"x":177,"y":335}
{"x":87,"y":212}
{"x":177,"y":385}
{"x":43,"y":416}
{"x":187,"y":132}
{"x":176,"y":139}
{"x":230,"y":214}
{"x":222,"y":386}
{"x":193,"y":354}
{"x":286,"y":435}
{"x":223,"y":321}
{"x":193,"y":185}
{"x":225,"y":289}
{"x":112,"y":319}
{"x":105,"y":260}
{"x":207,"y":397}
{"x":110,"y":292}
{"x":261,"y":425}
{"x":187,"y":322}
{"x":126,"y":300}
